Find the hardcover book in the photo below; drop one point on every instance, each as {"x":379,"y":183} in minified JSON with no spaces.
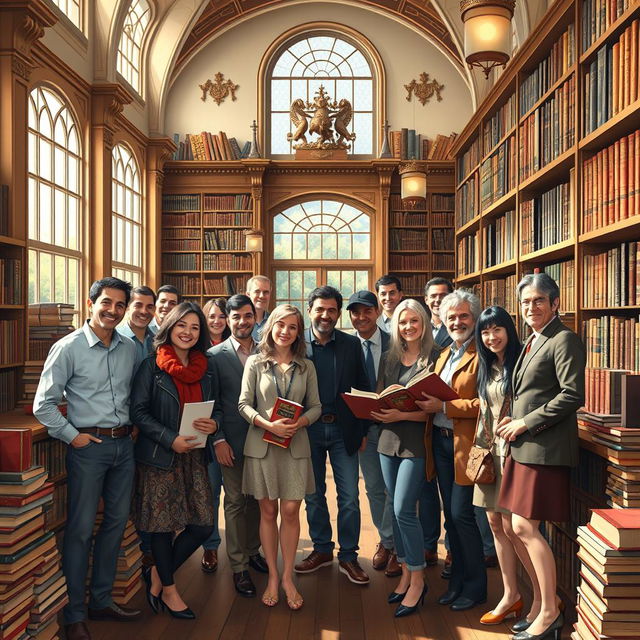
{"x":283,"y":409}
{"x":619,"y":527}
{"x":15,"y":449}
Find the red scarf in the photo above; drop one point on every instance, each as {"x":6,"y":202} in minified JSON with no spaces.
{"x":187,"y":379}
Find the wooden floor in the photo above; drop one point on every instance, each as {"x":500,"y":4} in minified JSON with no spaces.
{"x":334,"y":608}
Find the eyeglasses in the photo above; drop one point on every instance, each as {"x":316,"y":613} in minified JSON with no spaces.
{"x":536,"y":302}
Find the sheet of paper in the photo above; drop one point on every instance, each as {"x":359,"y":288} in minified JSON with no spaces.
{"x":192,"y":411}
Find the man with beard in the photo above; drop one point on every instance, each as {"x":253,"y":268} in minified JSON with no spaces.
{"x":168,"y":297}
{"x":92,"y":367}
{"x":339,"y":363}
{"x":140,"y":312}
{"x":449,"y":436}
{"x":241,"y":512}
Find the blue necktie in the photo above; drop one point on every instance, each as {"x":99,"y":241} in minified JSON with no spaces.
{"x":371,"y":368}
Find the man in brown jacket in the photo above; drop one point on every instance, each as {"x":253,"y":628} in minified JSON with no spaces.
{"x":449,"y":435}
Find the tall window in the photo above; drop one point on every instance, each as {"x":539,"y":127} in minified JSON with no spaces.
{"x":298,"y":72}
{"x":72,"y":9}
{"x":130,"y":45}
{"x":55,"y":200}
{"x":126,"y":218}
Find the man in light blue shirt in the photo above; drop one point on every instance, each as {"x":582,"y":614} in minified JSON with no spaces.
{"x":140,"y":313}
{"x":259,"y":291}
{"x":92,"y":368}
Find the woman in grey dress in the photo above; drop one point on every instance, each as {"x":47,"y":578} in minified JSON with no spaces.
{"x":271,"y":472}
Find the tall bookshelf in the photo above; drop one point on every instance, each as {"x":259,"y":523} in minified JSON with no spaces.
{"x":421,"y":237}
{"x":548,"y":178}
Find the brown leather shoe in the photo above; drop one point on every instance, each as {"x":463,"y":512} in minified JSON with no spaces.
{"x":77,"y":631}
{"x":115,"y":612}
{"x":313,"y":562}
{"x":381,"y":557}
{"x":393,"y":569}
{"x":354,"y":572}
{"x":209,"y":561}
{"x":431,"y":558}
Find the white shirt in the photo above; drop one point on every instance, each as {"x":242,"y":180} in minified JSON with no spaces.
{"x":537,"y":334}
{"x":384,"y":322}
{"x":376,"y":347}
{"x":243,"y":356}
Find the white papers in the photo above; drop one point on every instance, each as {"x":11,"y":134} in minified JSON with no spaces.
{"x":190,"y":412}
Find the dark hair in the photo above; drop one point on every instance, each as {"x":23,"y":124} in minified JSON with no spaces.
{"x":238,"y":301}
{"x":221,"y":303}
{"x":325,"y":292}
{"x":173,"y":317}
{"x":436,"y":281}
{"x":110,"y":282}
{"x":169,"y":288}
{"x":387,"y":280}
{"x":144,"y":291}
{"x":496,"y":317}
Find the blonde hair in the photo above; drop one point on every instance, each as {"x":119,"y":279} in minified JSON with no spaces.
{"x":266,"y":346}
{"x":398,"y":344}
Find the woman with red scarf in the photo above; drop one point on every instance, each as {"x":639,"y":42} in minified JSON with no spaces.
{"x":172,"y":488}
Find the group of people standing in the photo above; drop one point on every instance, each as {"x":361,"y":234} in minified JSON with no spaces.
{"x":519,"y":402}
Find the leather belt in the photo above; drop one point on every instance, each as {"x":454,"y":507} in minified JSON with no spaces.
{"x":109,"y":432}
{"x":329,"y":418}
{"x":444,"y":432}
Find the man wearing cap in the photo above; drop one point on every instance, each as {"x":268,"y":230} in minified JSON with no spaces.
{"x":363,"y":311}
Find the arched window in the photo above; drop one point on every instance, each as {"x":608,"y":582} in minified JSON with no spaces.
{"x":55,"y":200}
{"x":72,"y":9}
{"x":126,"y":216}
{"x":301,"y":67}
{"x":128,"y":61}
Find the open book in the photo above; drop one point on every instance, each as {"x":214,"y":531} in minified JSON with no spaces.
{"x":396,"y":396}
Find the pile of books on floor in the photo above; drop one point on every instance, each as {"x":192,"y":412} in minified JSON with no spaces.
{"x":32,"y":587}
{"x":608,"y":603}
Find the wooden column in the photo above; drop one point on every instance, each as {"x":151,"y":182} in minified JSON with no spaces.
{"x":256,"y":170}
{"x":107,"y":101}
{"x":385,"y":169}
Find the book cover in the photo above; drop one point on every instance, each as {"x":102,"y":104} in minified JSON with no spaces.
{"x":283,"y":408}
{"x":15,"y":450}
{"x":21,"y":501}
{"x":619,"y":527}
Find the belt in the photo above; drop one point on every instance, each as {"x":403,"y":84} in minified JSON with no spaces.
{"x":109,"y":432}
{"x":329,"y":418}
{"x":444,"y":432}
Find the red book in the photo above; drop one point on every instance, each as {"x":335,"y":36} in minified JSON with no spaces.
{"x":21,"y":501}
{"x":15,"y":449}
{"x":283,"y":409}
{"x":620,"y":528}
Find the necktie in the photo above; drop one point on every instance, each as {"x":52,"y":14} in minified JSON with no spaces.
{"x":528,"y":348}
{"x":369,"y":364}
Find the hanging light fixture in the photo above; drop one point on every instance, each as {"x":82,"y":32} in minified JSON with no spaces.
{"x":253,"y":240}
{"x":413,"y":183}
{"x":487,"y":32}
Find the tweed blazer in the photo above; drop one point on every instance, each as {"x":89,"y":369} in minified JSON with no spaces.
{"x":463,"y":412}
{"x":548,"y":389}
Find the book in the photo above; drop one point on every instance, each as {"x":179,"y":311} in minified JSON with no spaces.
{"x":23,"y":488}
{"x":14,"y":477}
{"x":396,"y":396}
{"x":15,"y":449}
{"x":283,"y":408}
{"x":619,"y":527}
{"x":610,"y":604}
{"x":22,"y":501}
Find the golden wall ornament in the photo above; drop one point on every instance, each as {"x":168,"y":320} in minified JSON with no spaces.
{"x":425,"y":89}
{"x":321,"y":111}
{"x":219,"y":89}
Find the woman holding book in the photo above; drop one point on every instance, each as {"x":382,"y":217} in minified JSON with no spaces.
{"x":498,"y":351}
{"x":279,"y":381}
{"x":215,"y":312}
{"x":402,"y":450}
{"x":172,"y":487}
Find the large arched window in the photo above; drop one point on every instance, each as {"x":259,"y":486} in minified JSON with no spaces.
{"x":298,"y":70}
{"x":72,"y":9}
{"x":55,"y":200}
{"x":128,"y":61}
{"x":126,"y":217}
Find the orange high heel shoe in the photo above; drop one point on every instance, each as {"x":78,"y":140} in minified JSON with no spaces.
{"x":512,"y":612}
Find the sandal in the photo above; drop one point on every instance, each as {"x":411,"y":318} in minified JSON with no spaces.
{"x":295,"y":603}
{"x":269,"y":600}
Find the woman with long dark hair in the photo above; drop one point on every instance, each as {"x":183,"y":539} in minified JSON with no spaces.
{"x":172,"y":488}
{"x":498,"y":350}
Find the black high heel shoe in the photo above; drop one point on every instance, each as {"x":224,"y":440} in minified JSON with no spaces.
{"x":183,"y":614}
{"x":554,"y":629}
{"x":403,"y":610}
{"x":523,"y":624}
{"x":394,"y":597}
{"x":155,"y":602}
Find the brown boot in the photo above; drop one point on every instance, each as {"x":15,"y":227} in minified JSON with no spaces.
{"x":380,"y":557}
{"x":393,"y":569}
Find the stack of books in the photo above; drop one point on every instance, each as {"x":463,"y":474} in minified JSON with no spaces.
{"x":209,"y":146}
{"x":406,"y":144}
{"x":48,"y":322}
{"x":608,"y":603}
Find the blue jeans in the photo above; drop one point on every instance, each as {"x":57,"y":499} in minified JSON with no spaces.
{"x":488,"y":545}
{"x":468,"y":573}
{"x":429,"y":514}
{"x":215,"y":478}
{"x":100,"y":469}
{"x":404,"y":478}
{"x":327,"y":439}
{"x":379,"y":501}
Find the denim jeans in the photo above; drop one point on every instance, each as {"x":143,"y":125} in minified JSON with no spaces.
{"x":100,"y":469}
{"x":379,"y":500}
{"x":327,"y":439}
{"x":468,"y":573}
{"x":429,"y":514}
{"x":215,"y":478}
{"x":404,"y":478}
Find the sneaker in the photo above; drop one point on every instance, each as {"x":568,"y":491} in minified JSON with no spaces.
{"x":314,"y":561}
{"x":354,"y":572}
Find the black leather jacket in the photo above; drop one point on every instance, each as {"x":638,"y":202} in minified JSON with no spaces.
{"x":155,"y":410}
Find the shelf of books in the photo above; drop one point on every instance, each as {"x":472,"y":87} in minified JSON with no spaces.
{"x":421,"y":236}
{"x":548,"y":178}
{"x":203,"y":243}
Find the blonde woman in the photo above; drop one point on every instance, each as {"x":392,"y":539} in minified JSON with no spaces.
{"x":278,"y":477}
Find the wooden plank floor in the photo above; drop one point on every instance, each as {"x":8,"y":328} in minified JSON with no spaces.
{"x":334,"y":608}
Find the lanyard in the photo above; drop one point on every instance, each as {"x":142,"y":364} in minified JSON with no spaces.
{"x":275,"y":379}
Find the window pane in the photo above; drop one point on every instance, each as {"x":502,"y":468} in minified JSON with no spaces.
{"x":281,"y":246}
{"x":45,"y":213}
{"x":60,"y":277}
{"x":45,"y":159}
{"x":280,"y":127}
{"x":299,"y":250}
{"x":60,"y":230}
{"x":45,"y":278}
